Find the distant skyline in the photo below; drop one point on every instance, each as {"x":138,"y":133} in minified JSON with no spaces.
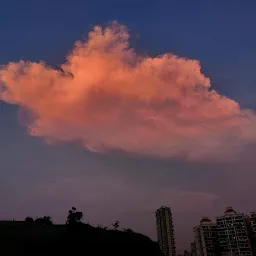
{"x":41,"y":179}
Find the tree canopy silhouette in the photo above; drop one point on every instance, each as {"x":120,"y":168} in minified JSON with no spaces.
{"x":116,"y":225}
{"x":74,"y":216}
{"x":29,"y":220}
{"x":46,"y":220}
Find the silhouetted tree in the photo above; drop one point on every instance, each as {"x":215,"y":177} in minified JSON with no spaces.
{"x":74,"y":216}
{"x":46,"y":220}
{"x":116,"y":224}
{"x":29,"y":220}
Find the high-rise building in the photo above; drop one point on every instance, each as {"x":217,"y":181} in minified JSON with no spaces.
{"x":205,"y":236}
{"x":193,"y":249}
{"x":253,"y":221}
{"x":233,"y":234}
{"x":252,"y":231}
{"x":165,"y":231}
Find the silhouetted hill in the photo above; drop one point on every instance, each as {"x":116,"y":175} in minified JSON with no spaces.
{"x":20,"y":238}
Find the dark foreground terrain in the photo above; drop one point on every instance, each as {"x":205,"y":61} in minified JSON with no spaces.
{"x":21,"y":238}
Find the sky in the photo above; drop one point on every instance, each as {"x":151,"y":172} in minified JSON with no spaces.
{"x":155,"y":106}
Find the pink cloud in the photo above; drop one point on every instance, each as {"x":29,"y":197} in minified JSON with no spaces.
{"x":107,"y":97}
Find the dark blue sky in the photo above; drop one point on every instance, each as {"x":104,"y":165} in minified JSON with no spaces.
{"x":37,"y":179}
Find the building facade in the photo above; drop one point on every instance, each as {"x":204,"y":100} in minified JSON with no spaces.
{"x":205,"y":236}
{"x":233,"y":234}
{"x":165,"y":231}
{"x":253,"y":221}
{"x":252,"y":231}
{"x":193,"y":249}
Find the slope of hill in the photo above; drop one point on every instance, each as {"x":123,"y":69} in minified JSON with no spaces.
{"x":20,"y":238}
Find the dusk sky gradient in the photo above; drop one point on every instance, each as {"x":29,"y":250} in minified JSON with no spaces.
{"x":201,"y":175}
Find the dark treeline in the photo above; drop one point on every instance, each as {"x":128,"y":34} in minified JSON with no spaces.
{"x":41,"y":237}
